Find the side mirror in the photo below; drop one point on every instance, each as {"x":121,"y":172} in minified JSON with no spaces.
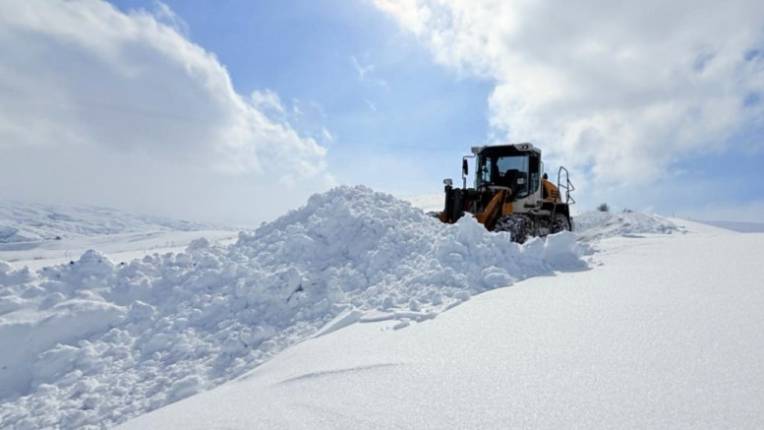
{"x":448,"y":182}
{"x":465,"y":167}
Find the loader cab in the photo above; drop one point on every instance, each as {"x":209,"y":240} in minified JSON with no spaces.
{"x":513,"y":167}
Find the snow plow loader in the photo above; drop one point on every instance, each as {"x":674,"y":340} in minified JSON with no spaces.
{"x":512,"y":193}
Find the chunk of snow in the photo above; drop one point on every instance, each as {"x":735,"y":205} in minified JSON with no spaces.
{"x":561,"y":251}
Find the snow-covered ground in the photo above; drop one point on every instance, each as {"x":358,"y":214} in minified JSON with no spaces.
{"x":30,"y":222}
{"x":119,"y":248}
{"x":104,"y":342}
{"x":664,"y":332}
{"x":35,"y":236}
{"x":362,"y":289}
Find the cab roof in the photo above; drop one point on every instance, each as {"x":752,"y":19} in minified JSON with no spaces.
{"x":509,"y":149}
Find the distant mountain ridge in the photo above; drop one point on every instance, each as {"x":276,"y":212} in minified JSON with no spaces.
{"x":738,"y":226}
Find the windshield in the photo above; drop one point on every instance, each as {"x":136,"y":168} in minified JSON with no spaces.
{"x":507,"y":171}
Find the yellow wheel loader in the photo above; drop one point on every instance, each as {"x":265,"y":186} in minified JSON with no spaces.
{"x":512,"y":193}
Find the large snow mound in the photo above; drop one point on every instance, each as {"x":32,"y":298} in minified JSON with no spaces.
{"x":28,"y":222}
{"x":599,"y":225}
{"x":92,"y":343}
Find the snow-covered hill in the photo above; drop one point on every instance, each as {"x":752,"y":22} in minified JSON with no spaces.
{"x":36,"y":236}
{"x":95,"y":342}
{"x":30,"y":222}
{"x":594,"y":225}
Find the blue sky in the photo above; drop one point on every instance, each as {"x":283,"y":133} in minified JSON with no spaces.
{"x":208,"y":109}
{"x":401,"y":127}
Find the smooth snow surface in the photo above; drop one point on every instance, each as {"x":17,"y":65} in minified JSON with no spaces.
{"x":667,"y":331}
{"x":93,"y":343}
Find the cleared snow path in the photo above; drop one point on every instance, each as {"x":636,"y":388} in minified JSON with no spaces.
{"x":666,"y":332}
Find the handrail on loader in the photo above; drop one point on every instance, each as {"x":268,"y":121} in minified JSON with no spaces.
{"x":568,"y":187}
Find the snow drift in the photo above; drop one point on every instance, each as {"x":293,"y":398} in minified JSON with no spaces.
{"x":96,"y":343}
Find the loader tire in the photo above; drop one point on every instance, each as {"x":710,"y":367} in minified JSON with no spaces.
{"x":559,"y":223}
{"x":519,"y":226}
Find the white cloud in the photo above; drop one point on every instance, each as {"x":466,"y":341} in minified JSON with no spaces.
{"x":618,"y":90}
{"x":126,"y":101}
{"x":164,"y":13}
{"x":268,"y":101}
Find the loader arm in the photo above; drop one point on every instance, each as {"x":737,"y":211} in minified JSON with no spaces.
{"x":492,"y":210}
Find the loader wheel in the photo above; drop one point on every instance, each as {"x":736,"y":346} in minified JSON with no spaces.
{"x":559,"y":223}
{"x":519,"y":226}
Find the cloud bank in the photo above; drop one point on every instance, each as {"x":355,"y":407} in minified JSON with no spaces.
{"x":101,"y":106}
{"x":618,"y":90}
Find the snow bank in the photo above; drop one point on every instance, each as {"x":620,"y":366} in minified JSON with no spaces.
{"x":598,"y":225}
{"x":97,"y":343}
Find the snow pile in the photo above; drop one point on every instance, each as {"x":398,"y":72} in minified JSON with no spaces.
{"x":595,"y":225}
{"x":93,"y":343}
{"x":23,"y":222}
